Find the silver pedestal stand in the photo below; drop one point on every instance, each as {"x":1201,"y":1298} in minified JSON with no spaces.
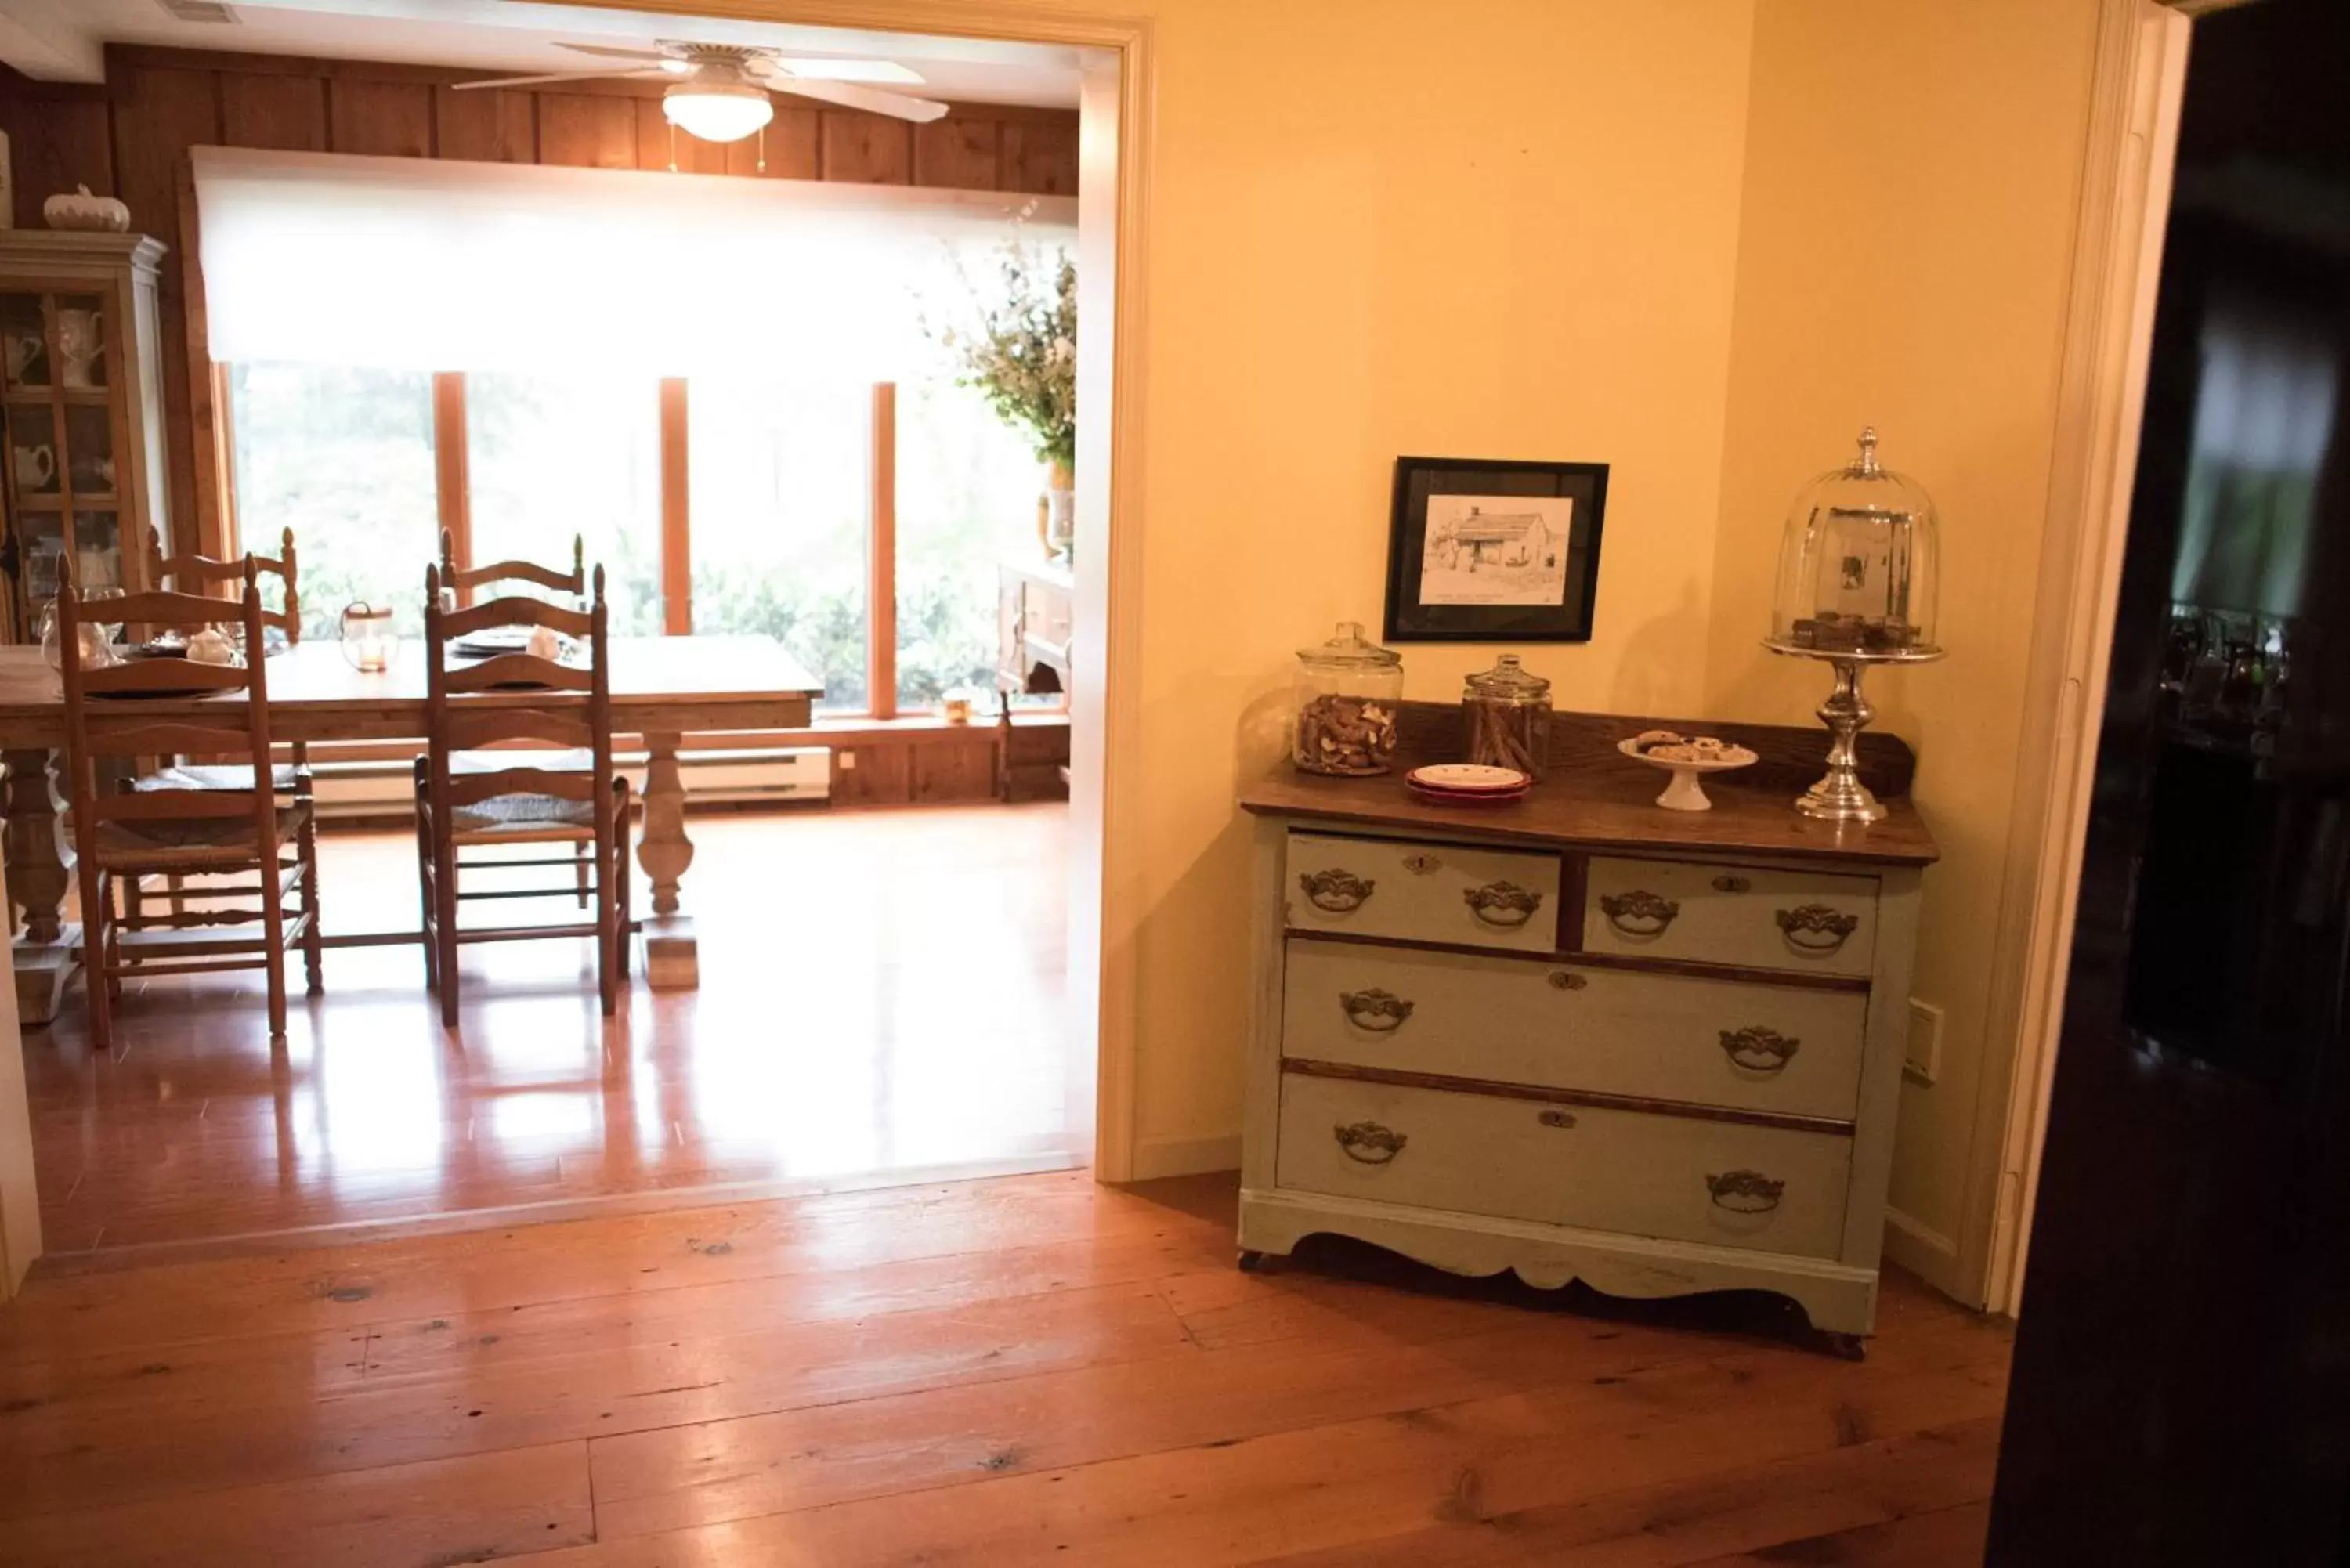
{"x":1839,"y":795}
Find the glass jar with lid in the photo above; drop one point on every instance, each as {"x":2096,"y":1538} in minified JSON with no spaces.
{"x":1506,"y":711}
{"x":1347,"y":692}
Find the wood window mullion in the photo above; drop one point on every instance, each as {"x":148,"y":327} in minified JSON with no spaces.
{"x":452,"y":474}
{"x":676,"y":511}
{"x":881,"y":556}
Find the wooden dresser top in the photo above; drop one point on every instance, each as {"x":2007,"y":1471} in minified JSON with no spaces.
{"x":1592,"y":804}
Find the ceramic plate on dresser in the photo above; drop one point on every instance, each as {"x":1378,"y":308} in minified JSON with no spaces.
{"x":1467,"y":778}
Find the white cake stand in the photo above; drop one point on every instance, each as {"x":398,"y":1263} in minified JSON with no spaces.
{"x":1684,"y":792}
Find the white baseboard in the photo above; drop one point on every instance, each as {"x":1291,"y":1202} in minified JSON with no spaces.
{"x":1158,"y":1156}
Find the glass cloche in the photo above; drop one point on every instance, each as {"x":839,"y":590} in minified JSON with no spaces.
{"x":1858,"y":566}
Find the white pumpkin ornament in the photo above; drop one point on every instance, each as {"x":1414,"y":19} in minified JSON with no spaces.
{"x":83,"y":211}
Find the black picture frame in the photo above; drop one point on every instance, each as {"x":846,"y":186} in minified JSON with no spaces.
{"x":1420,"y":611}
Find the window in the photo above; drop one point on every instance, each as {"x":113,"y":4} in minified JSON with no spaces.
{"x":553,"y":456}
{"x":343,"y":456}
{"x":517,"y":372}
{"x":779,"y":480}
{"x":968,"y":488}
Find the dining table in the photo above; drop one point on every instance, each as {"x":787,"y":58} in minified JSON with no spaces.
{"x":664,"y":690}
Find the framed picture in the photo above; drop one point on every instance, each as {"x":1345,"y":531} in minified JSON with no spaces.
{"x":1493,"y":551}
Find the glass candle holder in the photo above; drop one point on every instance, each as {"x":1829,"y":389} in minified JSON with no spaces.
{"x":369,"y":641}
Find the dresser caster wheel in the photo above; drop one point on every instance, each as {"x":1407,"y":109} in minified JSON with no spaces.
{"x":1251,"y":1263}
{"x":1847,"y":1346}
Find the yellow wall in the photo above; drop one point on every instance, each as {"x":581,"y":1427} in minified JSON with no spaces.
{"x":1487,"y":230}
{"x":1910,"y":189}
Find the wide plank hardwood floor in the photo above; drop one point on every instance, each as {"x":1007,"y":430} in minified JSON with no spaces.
{"x":881,"y":999}
{"x":1030,"y":1369}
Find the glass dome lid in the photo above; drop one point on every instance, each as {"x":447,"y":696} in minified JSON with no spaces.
{"x":1859,"y":565}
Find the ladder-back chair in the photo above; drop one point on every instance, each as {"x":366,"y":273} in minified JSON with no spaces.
{"x":194,"y":574}
{"x":168,"y":706}
{"x":463,"y":584}
{"x":470,"y":798}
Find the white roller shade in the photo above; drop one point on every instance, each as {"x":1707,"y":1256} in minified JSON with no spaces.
{"x":419,"y":263}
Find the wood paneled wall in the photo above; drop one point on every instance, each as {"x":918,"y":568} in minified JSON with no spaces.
{"x":130,"y":139}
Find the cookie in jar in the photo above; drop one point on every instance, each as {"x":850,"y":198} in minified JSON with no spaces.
{"x":1347,"y":692}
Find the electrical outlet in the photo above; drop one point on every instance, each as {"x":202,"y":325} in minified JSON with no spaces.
{"x":846,"y":761}
{"x":1922,"y":1063}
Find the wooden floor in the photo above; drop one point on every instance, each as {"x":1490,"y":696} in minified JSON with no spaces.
{"x":1025,"y":1370}
{"x":881,"y":997}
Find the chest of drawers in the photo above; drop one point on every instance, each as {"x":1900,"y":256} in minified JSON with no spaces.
{"x":1575,"y":1040}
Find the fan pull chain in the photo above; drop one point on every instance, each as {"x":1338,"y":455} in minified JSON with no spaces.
{"x":672,"y":147}
{"x":763,"y":150}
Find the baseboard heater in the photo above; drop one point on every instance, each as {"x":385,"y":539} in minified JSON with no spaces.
{"x":759,"y":774}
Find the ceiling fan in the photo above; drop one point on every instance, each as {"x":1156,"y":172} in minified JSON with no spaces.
{"x":720,"y":93}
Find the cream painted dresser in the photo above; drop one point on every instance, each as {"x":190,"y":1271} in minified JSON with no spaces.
{"x":1580,"y":1036}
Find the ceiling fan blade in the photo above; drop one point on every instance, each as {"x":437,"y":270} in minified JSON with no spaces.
{"x":609,"y":52}
{"x":849,"y":95}
{"x":555,"y":77}
{"x":816,"y":70}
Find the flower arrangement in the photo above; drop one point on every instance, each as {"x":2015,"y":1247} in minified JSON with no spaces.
{"x":1022,"y":355}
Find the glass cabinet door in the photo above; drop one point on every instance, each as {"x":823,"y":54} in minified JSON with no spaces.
{"x":58,"y":459}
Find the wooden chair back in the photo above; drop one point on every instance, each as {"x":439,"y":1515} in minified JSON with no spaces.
{"x":157,"y":707}
{"x":200,"y":573}
{"x":517,"y":697}
{"x":463,"y":584}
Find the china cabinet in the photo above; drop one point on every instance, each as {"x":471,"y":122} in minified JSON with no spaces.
{"x":81,"y":464}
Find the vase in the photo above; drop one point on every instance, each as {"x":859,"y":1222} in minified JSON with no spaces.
{"x":1056,"y":511}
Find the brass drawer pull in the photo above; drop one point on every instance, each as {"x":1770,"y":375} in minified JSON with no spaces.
{"x":1759,"y":1050}
{"x":1637,"y":913}
{"x":1555,"y":1118}
{"x":1502,"y":904}
{"x":1335,"y":892}
{"x":1745,"y":1191}
{"x":1369,"y":1143}
{"x":1567,"y":980}
{"x":1816,"y":930}
{"x":1375,"y":1011}
{"x":1728,"y":884}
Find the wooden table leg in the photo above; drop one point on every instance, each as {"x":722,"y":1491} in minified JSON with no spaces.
{"x":40,"y":871}
{"x":672,"y":960}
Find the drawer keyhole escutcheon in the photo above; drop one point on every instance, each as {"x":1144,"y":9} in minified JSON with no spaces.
{"x":1815,"y":930}
{"x":1335,"y":892}
{"x":1375,"y":1011}
{"x":1422,"y":865}
{"x":1502,"y":904}
{"x":1639,"y":914}
{"x":1745,"y":1191}
{"x":1567,"y":980}
{"x":1369,"y":1143}
{"x":1759,"y":1050}
{"x":1555,"y":1118}
{"x":1726,"y":884}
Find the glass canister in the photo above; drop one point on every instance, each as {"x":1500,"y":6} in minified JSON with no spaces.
{"x":1507,"y":710}
{"x":1348,"y":691}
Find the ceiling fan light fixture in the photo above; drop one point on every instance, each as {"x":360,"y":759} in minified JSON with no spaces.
{"x":717,"y":112}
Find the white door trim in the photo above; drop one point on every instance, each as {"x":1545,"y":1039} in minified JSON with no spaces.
{"x":2117,"y":265}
